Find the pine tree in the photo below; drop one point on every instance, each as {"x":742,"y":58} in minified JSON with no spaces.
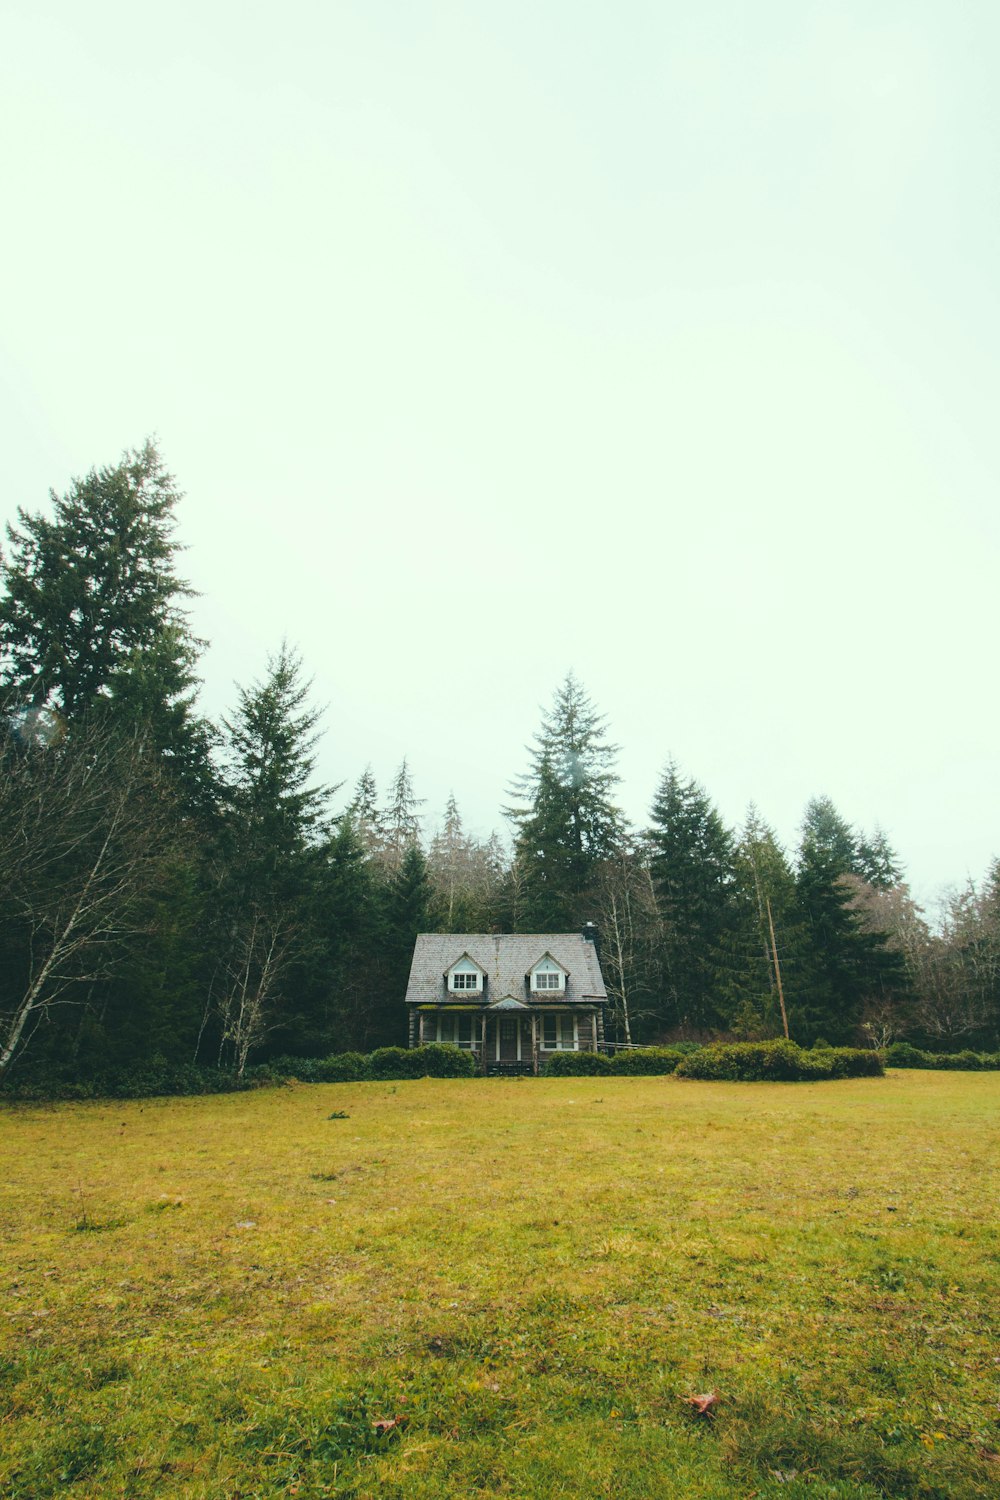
{"x":454,"y":868}
{"x":691,"y":868}
{"x":846,"y":966}
{"x":92,"y":615}
{"x":877,"y":861}
{"x":763,"y":898}
{"x":400,"y":820}
{"x":409,"y":908}
{"x":827,"y":836}
{"x":365,"y":815}
{"x":566,"y":822}
{"x":270,"y":854}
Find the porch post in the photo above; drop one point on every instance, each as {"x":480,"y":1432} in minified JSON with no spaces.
{"x":534,"y":1042}
{"x":482,"y":1050}
{"x":593,"y":1029}
{"x":420,"y":1030}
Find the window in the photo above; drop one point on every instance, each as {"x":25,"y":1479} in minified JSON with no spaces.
{"x":548,"y":979}
{"x":465,"y":980}
{"x":559,"y":1033}
{"x":458,"y":1031}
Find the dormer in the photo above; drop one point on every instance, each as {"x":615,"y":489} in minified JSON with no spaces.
{"x":547,"y":977}
{"x":465,"y":977}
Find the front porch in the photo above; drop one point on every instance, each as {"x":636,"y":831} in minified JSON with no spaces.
{"x":510,"y":1037}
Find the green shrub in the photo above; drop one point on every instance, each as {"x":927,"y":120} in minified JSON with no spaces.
{"x":343,"y":1067}
{"x":903,"y":1055}
{"x":778,"y":1061}
{"x":646,"y":1061}
{"x":576,"y":1065}
{"x":436,"y":1060}
{"x":441,"y":1060}
{"x":854,"y":1062}
{"x":393,"y":1062}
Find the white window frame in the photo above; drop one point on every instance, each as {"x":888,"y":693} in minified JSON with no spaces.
{"x":547,"y":980}
{"x":560,"y":1021}
{"x":454,"y":1025}
{"x":466,"y":978}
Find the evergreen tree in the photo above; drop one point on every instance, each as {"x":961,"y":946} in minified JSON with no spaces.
{"x":456,"y":870}
{"x":271,"y":851}
{"x":847,"y":967}
{"x":408,"y":908}
{"x":877,"y":861}
{"x":400,"y":820}
{"x":828,"y":837}
{"x":92,"y":614}
{"x":566,"y":822}
{"x":763,"y":897}
{"x":365,"y":815}
{"x":691,"y":867}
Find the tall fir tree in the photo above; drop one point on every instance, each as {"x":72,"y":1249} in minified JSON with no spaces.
{"x":691,"y":868}
{"x":847,"y":967}
{"x":400,"y":820}
{"x":93,"y":618}
{"x":877,"y":861}
{"x":365,"y":815}
{"x":565,"y":819}
{"x":828,"y":837}
{"x":758,"y":974}
{"x":270,"y":854}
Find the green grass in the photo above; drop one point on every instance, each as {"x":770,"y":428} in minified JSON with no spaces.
{"x":222,"y":1297}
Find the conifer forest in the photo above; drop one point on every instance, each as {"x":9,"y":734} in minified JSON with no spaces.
{"x":183,"y":890}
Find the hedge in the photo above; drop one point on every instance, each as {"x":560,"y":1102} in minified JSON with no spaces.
{"x":903,"y":1055}
{"x":644,"y":1061}
{"x":577,"y":1065}
{"x":779,"y":1061}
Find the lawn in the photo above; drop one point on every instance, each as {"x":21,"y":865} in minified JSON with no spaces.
{"x":505,"y":1287}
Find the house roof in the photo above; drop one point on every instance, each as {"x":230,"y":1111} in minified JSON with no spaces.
{"x":505,"y":958}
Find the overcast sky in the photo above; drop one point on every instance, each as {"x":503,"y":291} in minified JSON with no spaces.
{"x":487,"y":340}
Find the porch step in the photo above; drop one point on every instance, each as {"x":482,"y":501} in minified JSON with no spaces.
{"x":509,"y":1069}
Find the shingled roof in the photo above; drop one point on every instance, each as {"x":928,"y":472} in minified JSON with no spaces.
{"x":506,"y":959}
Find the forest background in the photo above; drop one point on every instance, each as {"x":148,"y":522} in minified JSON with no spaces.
{"x":180,"y":889}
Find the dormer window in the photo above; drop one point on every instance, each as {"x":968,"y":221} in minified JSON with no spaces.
{"x":547,"y":976}
{"x":465,"y":977}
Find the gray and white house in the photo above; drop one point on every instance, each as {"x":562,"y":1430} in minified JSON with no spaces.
{"x":511,"y":998}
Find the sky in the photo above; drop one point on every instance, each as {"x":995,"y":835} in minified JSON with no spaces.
{"x":654,"y":341}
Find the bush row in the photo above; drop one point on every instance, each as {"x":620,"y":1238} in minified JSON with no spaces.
{"x":779,"y":1061}
{"x":902,"y":1055}
{"x":143,"y":1081}
{"x":642,"y":1061}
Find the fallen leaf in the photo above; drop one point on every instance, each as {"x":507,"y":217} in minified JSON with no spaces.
{"x":702,"y":1404}
{"x":388,"y":1424}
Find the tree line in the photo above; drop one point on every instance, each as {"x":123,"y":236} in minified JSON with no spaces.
{"x":177,"y":888}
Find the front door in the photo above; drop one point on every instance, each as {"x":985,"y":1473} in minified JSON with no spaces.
{"x":509,"y":1032}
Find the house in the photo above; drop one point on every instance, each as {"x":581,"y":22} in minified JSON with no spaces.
{"x":511,"y":998}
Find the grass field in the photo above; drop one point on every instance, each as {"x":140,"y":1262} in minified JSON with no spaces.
{"x":226,"y":1297}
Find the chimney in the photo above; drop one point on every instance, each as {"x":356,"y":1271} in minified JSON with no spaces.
{"x":592,"y":934}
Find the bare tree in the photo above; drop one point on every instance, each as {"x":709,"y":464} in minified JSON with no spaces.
{"x":628,"y":918}
{"x":261,"y":949}
{"x":84,"y":825}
